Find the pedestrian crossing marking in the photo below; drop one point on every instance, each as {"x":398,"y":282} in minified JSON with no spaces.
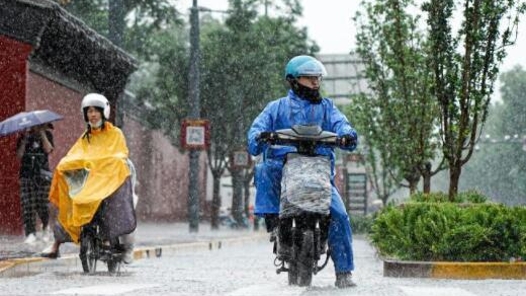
{"x":109,"y":289}
{"x":434,"y":291}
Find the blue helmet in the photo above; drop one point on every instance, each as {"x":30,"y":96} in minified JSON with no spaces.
{"x":304,"y":65}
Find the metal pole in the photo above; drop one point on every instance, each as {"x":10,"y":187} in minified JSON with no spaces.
{"x":193,"y":96}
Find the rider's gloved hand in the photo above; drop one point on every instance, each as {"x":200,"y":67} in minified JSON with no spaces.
{"x":269,"y":137}
{"x":347,"y":141}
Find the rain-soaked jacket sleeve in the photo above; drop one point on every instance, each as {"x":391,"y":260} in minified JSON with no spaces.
{"x":262,"y":123}
{"x":342,"y":127}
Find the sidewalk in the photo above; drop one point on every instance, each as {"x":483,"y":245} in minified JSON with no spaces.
{"x":150,"y":238}
{"x":157,"y":239}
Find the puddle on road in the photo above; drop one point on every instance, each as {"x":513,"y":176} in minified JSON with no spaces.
{"x":20,"y":274}
{"x":76,"y":274}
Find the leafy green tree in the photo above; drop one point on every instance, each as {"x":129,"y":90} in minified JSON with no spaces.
{"x":242,"y":64}
{"x":497,"y":168}
{"x":252,"y":70}
{"x":398,"y":115}
{"x":163,"y":87}
{"x":129,"y":23}
{"x":465,"y":66}
{"x":93,"y":13}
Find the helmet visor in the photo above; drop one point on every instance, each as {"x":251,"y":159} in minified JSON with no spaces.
{"x":311,"y":68}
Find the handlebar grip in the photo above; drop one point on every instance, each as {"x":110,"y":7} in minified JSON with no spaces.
{"x":347,"y":141}
{"x":268,"y":137}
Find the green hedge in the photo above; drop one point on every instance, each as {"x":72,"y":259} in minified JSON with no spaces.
{"x":444,"y":231}
{"x":470,"y":196}
{"x":361,"y":224}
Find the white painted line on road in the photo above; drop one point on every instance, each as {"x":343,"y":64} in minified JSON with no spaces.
{"x":265,"y":290}
{"x":110,"y":289}
{"x":434,"y":291}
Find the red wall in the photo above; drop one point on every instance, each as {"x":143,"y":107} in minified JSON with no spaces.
{"x":43,"y":93}
{"x":23,"y":90}
{"x":162,"y":169}
{"x":162,"y":174}
{"x":13,"y":74}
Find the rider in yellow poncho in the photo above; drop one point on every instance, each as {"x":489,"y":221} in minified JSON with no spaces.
{"x":98,"y":162}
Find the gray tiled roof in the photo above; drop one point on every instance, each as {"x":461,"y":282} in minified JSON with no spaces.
{"x":64,"y":43}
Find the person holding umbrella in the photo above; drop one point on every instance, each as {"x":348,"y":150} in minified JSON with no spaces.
{"x":33,"y":148}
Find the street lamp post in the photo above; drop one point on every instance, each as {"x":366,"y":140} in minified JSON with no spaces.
{"x":195,"y":113}
{"x":194,"y":100}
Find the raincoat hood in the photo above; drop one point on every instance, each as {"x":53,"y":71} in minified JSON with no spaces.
{"x":103,"y":162}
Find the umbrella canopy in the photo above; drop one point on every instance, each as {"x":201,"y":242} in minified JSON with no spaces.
{"x":24,"y":120}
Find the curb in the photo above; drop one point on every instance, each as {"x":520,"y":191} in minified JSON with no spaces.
{"x":70,"y":262}
{"x":158,"y":251}
{"x":456,"y":270}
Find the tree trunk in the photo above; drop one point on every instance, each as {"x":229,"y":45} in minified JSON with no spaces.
{"x":117,"y":25}
{"x":116,"y":21}
{"x":426,"y":175}
{"x":412,"y":186}
{"x":246,"y":191}
{"x":412,"y":179}
{"x":454,"y":176}
{"x":427,"y":183}
{"x":237,"y":197}
{"x":216,"y":203}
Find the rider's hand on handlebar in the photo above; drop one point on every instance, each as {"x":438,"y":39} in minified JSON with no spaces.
{"x":269,"y":137}
{"x":347,"y":141}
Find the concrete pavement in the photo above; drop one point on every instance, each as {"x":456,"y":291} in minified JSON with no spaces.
{"x":157,"y":239}
{"x":152,"y":239}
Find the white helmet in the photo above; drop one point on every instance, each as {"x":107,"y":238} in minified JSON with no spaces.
{"x":95,"y":100}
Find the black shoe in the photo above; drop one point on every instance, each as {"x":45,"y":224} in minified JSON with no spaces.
{"x":52,"y":255}
{"x":344,"y":280}
{"x":49,"y":252}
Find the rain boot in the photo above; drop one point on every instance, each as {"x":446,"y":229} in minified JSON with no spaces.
{"x":344,"y":280}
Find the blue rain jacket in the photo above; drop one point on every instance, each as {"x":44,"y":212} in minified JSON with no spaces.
{"x":285,"y":113}
{"x":281,"y":114}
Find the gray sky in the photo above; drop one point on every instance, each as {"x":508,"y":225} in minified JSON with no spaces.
{"x":330,"y":24}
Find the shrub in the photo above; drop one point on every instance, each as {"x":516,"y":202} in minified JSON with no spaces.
{"x":443,"y":231}
{"x":470,"y":196}
{"x":361,"y":224}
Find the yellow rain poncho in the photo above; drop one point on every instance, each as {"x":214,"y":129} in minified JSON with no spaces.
{"x":103,"y":157}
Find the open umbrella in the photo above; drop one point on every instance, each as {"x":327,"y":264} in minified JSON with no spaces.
{"x":24,"y":120}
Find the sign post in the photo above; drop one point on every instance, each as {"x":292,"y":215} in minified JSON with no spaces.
{"x":195,"y":134}
{"x":240,"y":159}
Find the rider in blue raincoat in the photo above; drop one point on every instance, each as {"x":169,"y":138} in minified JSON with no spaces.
{"x":303,"y":105}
